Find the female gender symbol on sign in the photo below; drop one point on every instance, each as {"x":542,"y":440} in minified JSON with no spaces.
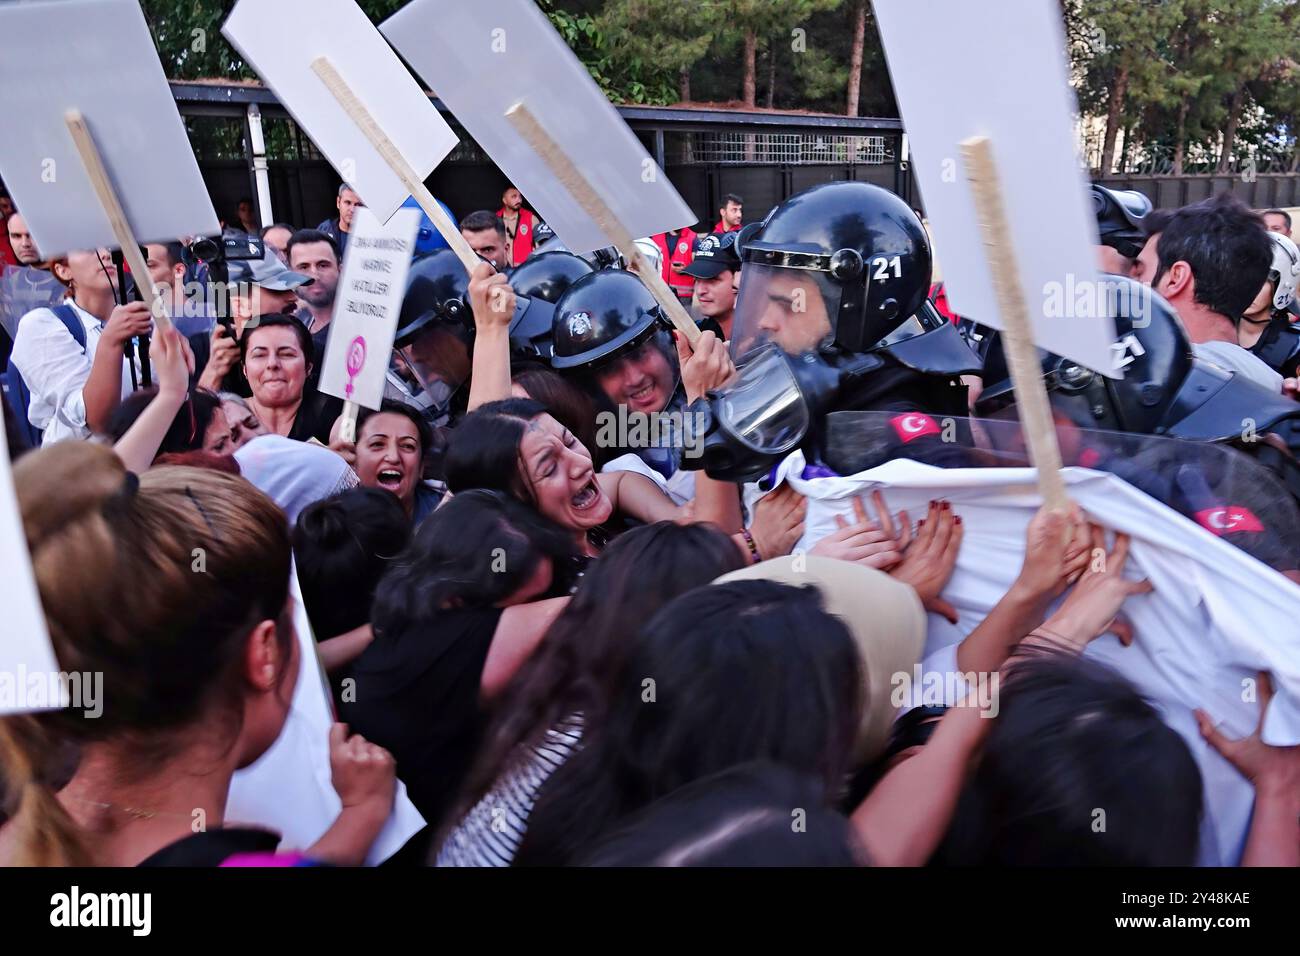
{"x":356,"y":361}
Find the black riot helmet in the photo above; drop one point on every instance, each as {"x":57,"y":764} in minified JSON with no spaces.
{"x":1165,"y":389}
{"x":548,"y":275}
{"x":434,"y":344}
{"x":837,"y":267}
{"x":601,"y":316}
{"x":437,"y":290}
{"x":1119,"y":218}
{"x":435,"y":335}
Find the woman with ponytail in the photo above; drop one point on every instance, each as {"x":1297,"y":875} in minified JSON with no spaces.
{"x":342,"y":546}
{"x":172,"y":590}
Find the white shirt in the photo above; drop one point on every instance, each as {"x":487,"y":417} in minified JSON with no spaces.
{"x":55,"y":369}
{"x":1233,"y":358}
{"x":680,"y":487}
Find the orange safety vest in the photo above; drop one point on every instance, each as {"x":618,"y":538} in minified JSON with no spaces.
{"x":521,"y":243}
{"x":683,"y":252}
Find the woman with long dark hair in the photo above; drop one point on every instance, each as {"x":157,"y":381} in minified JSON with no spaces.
{"x":517,"y":447}
{"x":453,"y":620}
{"x":722,"y":676}
{"x":570,"y":679}
{"x":199,"y":424}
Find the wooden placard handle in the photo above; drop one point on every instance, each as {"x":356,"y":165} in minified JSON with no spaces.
{"x":103,"y":185}
{"x":348,"y":422}
{"x":563,"y":168}
{"x":1022,"y":355}
{"x":385,"y":147}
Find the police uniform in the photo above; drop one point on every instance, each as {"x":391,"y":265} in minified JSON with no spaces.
{"x":521,"y":237}
{"x":548,"y":275}
{"x":1278,"y":346}
{"x":433,"y":345}
{"x":1165,"y":389}
{"x":714,"y":255}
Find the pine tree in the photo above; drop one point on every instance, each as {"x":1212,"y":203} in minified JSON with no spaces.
{"x":659,"y":40}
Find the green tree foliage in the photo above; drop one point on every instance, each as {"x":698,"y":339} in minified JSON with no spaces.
{"x":638,"y":51}
{"x":1174,"y":83}
{"x":190,"y":45}
{"x":656,"y":46}
{"x":1203,"y":84}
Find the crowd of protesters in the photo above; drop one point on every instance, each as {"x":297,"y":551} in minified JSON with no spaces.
{"x":570,"y":652}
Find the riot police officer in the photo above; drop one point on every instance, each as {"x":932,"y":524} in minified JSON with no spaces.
{"x":1165,"y":390}
{"x":833,"y":316}
{"x":1266,"y":328}
{"x":1120,"y":213}
{"x":1119,"y":226}
{"x":610,"y":336}
{"x":433,"y":347}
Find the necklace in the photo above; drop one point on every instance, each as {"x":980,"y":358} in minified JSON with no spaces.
{"x":137,"y":813}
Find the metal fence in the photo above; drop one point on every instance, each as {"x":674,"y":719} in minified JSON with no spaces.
{"x":1257,"y":190}
{"x":784,"y":149}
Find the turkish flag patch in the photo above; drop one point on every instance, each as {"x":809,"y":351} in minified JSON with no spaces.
{"x":1219,"y":521}
{"x":914,"y":425}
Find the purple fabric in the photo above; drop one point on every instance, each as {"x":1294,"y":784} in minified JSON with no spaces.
{"x":267,"y":860}
{"x":817,"y":470}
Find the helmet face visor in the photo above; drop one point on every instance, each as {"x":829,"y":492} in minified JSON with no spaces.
{"x":764,"y":409}
{"x":792,"y":309}
{"x":432,"y":366}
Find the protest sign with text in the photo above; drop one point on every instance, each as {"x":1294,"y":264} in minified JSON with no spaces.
{"x":371,"y":288}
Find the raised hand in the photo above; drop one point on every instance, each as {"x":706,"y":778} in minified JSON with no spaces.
{"x":491,"y":298}
{"x":174,"y":363}
{"x":705,"y":365}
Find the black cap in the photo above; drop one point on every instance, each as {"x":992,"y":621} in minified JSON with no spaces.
{"x":714,"y":255}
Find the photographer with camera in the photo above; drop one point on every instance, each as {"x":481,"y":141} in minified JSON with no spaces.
{"x":262,"y":286}
{"x":61,"y":383}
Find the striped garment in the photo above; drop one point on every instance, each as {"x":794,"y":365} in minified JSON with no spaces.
{"x":490,"y":833}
